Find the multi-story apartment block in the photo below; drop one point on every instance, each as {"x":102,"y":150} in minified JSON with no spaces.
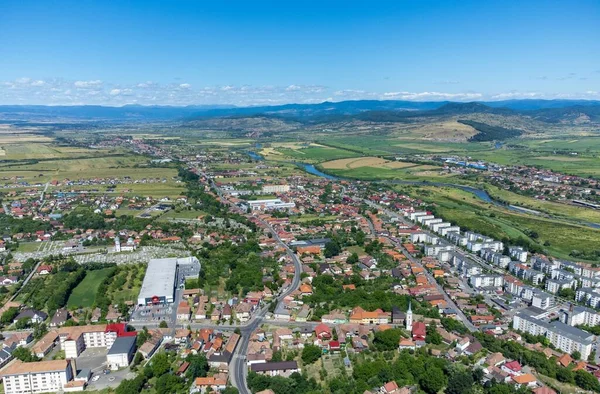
{"x":486,"y":280}
{"x":580,"y":315}
{"x":562,"y":336}
{"x":37,"y":377}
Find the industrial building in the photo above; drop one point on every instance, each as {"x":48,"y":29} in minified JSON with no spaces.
{"x":121,"y":353}
{"x":163,"y":276}
{"x":266,"y":205}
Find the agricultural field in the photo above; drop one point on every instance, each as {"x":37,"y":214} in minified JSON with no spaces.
{"x":416,"y":172}
{"x":352,"y":163}
{"x":84,"y":295}
{"x":305,"y":152}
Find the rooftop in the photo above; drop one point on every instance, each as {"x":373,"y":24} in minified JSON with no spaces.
{"x":18,"y":367}
{"x":160,"y":278}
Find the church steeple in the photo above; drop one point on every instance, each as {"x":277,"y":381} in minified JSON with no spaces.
{"x":409,"y":317}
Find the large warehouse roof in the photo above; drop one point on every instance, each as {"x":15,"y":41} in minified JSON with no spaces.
{"x":159,"y":279}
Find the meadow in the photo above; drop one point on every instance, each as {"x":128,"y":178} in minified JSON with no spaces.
{"x":84,"y":295}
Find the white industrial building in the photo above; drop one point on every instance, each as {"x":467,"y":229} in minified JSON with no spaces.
{"x":159,"y":282}
{"x":266,"y":205}
{"x":161,"y":277}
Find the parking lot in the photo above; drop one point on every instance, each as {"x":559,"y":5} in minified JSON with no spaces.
{"x":154,"y":313}
{"x":93,"y":358}
{"x":100,"y":381}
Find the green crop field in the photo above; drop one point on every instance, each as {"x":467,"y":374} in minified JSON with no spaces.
{"x":84,"y":295}
{"x":414,"y":173}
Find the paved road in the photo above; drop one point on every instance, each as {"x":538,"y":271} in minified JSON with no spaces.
{"x":240,"y":370}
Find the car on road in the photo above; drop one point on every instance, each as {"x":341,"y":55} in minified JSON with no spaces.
{"x":95,"y":378}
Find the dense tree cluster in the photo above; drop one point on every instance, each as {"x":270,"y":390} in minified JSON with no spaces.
{"x":328,"y":294}
{"x":295,"y":384}
{"x":240,"y":264}
{"x":24,"y":225}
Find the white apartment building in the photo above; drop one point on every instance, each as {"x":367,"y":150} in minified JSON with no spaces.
{"x":589,"y":296}
{"x":542,"y":300}
{"x":518,"y":253}
{"x":433,"y":250}
{"x":555,"y":285}
{"x":423,"y":218}
{"x":581,"y":315}
{"x":486,"y":280}
{"x":439,"y":226}
{"x":447,"y":230}
{"x":74,"y":340}
{"x":432,"y":221}
{"x":37,"y":377}
{"x":418,"y":238}
{"x":414,"y":215}
{"x":268,"y":189}
{"x":562,"y":336}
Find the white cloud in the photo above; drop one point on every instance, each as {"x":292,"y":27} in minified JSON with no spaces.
{"x":88,"y":84}
{"x":64,"y":92}
{"x":432,"y":96}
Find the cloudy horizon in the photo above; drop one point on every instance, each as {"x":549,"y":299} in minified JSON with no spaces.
{"x":34,"y":91}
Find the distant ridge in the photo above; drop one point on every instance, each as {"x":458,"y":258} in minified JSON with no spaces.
{"x":368,"y":110}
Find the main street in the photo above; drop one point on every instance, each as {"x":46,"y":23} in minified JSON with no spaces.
{"x":240,"y":368}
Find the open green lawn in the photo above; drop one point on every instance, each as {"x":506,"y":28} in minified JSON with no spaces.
{"x":84,"y":295}
{"x":28,"y":247}
{"x":183,"y":214}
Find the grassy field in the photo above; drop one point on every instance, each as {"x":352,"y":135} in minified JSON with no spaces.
{"x":183,"y":214}
{"x":84,"y":295}
{"x":577,"y":155}
{"x":558,"y":209}
{"x":417,"y":172}
{"x":309,"y":218}
{"x":368,"y":161}
{"x":305,"y":152}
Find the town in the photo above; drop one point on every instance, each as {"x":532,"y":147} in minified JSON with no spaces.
{"x":251,"y":271}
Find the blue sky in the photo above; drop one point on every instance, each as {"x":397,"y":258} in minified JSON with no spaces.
{"x":258,"y":52}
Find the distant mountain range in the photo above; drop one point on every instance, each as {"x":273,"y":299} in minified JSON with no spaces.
{"x":551,"y":111}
